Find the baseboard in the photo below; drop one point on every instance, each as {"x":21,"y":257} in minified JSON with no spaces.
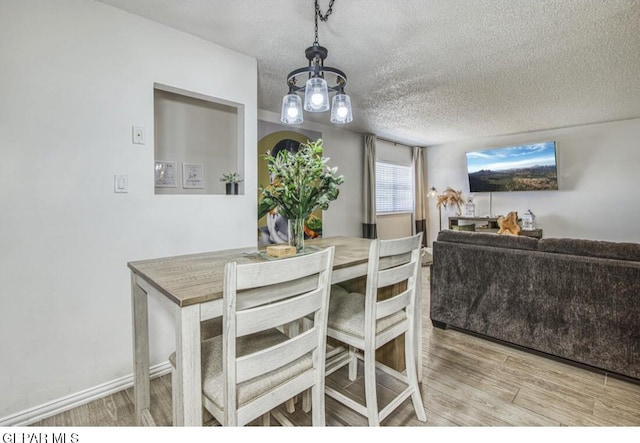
{"x":54,"y":407}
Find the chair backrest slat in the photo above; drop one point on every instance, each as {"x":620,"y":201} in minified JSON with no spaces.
{"x":256,"y":275}
{"x":391,"y":276}
{"x":267,"y":360}
{"x":394,"y":304}
{"x":398,"y":246}
{"x":249,"y":298}
{"x":393,"y":261}
{"x":264,"y":317}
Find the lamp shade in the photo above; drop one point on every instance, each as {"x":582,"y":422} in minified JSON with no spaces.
{"x":316,"y":95}
{"x":341,"y":109}
{"x":291,"y":110}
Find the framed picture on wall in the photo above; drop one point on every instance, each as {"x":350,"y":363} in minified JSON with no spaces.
{"x":166,"y":174}
{"x":192,"y":176}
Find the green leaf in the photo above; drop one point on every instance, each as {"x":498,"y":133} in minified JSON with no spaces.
{"x":302,"y":182}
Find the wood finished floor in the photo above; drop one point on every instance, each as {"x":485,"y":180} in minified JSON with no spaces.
{"x":468,"y":381}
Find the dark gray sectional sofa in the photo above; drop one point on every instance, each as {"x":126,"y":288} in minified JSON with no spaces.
{"x":574,"y":299}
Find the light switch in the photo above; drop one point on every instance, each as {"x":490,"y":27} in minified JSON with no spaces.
{"x":120,"y":183}
{"x":138,"y":135}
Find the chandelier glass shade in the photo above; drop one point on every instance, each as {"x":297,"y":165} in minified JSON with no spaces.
{"x":341,"y":109}
{"x":316,"y":95}
{"x":316,"y":81}
{"x":291,"y":110}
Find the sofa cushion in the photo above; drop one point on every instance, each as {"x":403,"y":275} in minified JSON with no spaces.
{"x":591,"y":248}
{"x":489,"y":239}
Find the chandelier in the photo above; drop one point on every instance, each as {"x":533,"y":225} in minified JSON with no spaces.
{"x":316,"y":88}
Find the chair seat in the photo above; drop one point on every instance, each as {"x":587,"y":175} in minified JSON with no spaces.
{"x":212,"y":377}
{"x":346,"y":313}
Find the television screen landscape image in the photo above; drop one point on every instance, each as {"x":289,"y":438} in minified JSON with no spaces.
{"x":514,"y":168}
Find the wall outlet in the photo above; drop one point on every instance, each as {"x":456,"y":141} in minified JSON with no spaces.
{"x":138,"y":135}
{"x":120,"y":183}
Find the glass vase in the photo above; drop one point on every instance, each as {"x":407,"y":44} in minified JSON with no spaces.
{"x":296,"y":233}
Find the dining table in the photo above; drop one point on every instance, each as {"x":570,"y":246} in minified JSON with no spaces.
{"x":190,"y":287}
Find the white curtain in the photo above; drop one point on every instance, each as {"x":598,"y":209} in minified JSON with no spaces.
{"x":369,"y":229}
{"x":420,"y":193}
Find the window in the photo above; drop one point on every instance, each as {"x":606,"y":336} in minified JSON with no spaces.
{"x":394,"y":188}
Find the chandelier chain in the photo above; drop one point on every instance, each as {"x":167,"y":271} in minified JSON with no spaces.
{"x":324,"y":17}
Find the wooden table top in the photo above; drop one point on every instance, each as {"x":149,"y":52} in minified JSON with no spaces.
{"x":198,"y":278}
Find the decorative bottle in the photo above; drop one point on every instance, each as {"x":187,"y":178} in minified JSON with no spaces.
{"x":470,"y":208}
{"x":528,"y":220}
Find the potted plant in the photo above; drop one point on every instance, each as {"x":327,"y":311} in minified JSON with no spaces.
{"x":301,"y":183}
{"x":232,"y":179}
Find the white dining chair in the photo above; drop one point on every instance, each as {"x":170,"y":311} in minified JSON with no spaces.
{"x":254,"y":367}
{"x":366,"y":324}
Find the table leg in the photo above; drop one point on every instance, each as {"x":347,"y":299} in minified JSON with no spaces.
{"x":141,"y":396}
{"x":188,"y":377}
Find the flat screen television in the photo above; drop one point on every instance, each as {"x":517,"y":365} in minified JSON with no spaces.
{"x":513,"y":168}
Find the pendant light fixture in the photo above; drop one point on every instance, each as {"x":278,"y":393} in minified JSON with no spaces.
{"x":316,"y":87}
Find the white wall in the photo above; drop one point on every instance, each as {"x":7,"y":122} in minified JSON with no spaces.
{"x":598,"y":180}
{"x":345,"y":149}
{"x":394,"y":153}
{"x":394,"y":225}
{"x":75,"y":76}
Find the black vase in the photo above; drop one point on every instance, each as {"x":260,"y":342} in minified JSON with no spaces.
{"x":232,"y":188}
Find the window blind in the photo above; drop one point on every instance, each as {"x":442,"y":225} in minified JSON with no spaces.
{"x":394,"y":188}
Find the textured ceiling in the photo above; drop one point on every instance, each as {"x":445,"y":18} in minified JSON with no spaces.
{"x":424,"y":72}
